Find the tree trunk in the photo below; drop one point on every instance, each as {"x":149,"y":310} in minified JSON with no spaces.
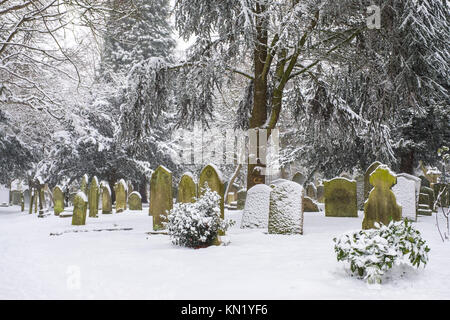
{"x":407,"y":162}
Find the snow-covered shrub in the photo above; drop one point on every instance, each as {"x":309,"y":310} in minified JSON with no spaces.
{"x":196,"y":224}
{"x":372,"y":252}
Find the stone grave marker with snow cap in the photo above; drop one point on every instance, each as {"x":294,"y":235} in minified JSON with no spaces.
{"x":135,"y":201}
{"x":256,"y":210}
{"x":187,"y":188}
{"x":84,"y":184}
{"x":58,"y":200}
{"x":93,"y":198}
{"x":121,"y":196}
{"x":213,"y":177}
{"x":381,"y":206}
{"x":340,"y":198}
{"x":311,"y":191}
{"x":80,"y":204}
{"x":286,"y":208}
{"x":309,"y":205}
{"x":161,"y":196}
{"x":106,"y":198}
{"x":241,"y":198}
{"x":405,"y":193}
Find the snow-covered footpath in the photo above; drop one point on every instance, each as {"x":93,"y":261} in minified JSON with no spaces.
{"x":131,"y":264}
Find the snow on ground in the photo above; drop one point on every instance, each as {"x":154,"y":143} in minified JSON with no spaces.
{"x":130,"y":264}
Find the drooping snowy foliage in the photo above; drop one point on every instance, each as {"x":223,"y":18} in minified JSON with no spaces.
{"x":371,"y":253}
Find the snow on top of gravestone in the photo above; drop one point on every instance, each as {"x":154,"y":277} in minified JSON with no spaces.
{"x":256,"y":209}
{"x":409,"y":176}
{"x":219,"y":173}
{"x":125,"y":186}
{"x":405,"y":194}
{"x":189,"y":174}
{"x":136,"y":193}
{"x":105,"y":184}
{"x":383,"y":166}
{"x":85,"y":177}
{"x":278,"y":181}
{"x":82,"y":195}
{"x":343,"y":178}
{"x":165,"y":168}
{"x":95,"y":179}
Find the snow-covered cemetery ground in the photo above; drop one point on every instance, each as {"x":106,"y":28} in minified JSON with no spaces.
{"x":48,"y":258}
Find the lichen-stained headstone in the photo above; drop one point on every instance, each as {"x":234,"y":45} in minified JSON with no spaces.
{"x":367,"y":185}
{"x":80,"y":204}
{"x":211,"y":175}
{"x":286,"y":208}
{"x":84,"y":184}
{"x":299,"y":178}
{"x":381,"y":206}
{"x":241,"y":198}
{"x":405,"y":193}
{"x":340,"y":198}
{"x":161,"y":196}
{"x":256,"y":210}
{"x":121,"y":196}
{"x":93,"y":198}
{"x":309,"y":205}
{"x":106,"y":198}
{"x":58,"y":200}
{"x":135,"y":201}
{"x":187,"y":188}
{"x":311,"y":191}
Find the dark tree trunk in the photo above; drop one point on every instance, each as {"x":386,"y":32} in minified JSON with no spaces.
{"x":407,"y":162}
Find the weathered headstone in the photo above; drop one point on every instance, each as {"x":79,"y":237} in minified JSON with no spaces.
{"x":58,"y":200}
{"x":286,"y":208}
{"x":256,"y":210}
{"x":187,"y":188}
{"x":106,"y":199}
{"x":161,"y":196}
{"x":299,"y":178}
{"x":340,"y":198}
{"x":121,"y":196}
{"x":405,"y":193}
{"x":80,"y":204}
{"x":93,"y":198}
{"x":84,"y":184}
{"x":241,"y":197}
{"x":309,"y":205}
{"x":211,"y":175}
{"x":382,"y":205}
{"x":367,"y":186}
{"x":135,"y":201}
{"x":430,"y":192}
{"x":311,"y":191}
{"x":417,"y":183}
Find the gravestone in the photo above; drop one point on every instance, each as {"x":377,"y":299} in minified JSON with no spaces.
{"x":430,"y":192}
{"x":26,"y":197}
{"x":424,"y":205}
{"x":340,"y":198}
{"x":80,"y":204}
{"x":121,"y":196}
{"x":58,"y":200}
{"x":211,"y":175}
{"x":84,"y":184}
{"x":93,"y":198}
{"x":320,"y":193}
{"x":286,"y":208}
{"x":135,"y":201}
{"x":106,"y":199}
{"x":299,"y":178}
{"x":161,"y":196}
{"x":187,"y":188}
{"x":360,"y":192}
{"x":241,"y":197}
{"x":309,"y":205}
{"x":416,"y":180}
{"x":311,"y":191}
{"x":405,"y":193}
{"x":367,"y":186}
{"x":382,"y":205}
{"x":256,"y":210}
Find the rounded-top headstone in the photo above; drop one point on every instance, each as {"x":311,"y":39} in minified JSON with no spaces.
{"x":161,"y":195}
{"x":93,"y":197}
{"x":106,"y":198}
{"x":80,"y":204}
{"x":135,"y":201}
{"x":187,"y":188}
{"x":340,"y":198}
{"x":213,"y":177}
{"x":256,"y":210}
{"x":58,"y":200}
{"x":121,"y":196}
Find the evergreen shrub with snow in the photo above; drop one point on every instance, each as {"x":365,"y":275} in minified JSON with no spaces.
{"x":196,"y":224}
{"x":372,"y":252}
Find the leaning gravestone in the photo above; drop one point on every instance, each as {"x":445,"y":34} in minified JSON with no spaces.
{"x":299,"y":178}
{"x":93,"y":198}
{"x":80,"y":204}
{"x":286,"y":208}
{"x":212,"y":176}
{"x":58,"y":200}
{"x":161,"y":195}
{"x":367,"y":186}
{"x":256,"y":210}
{"x":241,"y":198}
{"x":382,"y":205}
{"x":311,"y":191}
{"x":340,"y":198}
{"x":121,"y":196}
{"x":187,"y":188}
{"x":309,"y":205}
{"x":405,"y":193}
{"x":106,"y":199}
{"x":135,"y":201}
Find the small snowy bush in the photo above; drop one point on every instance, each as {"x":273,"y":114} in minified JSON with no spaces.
{"x":196,"y":224}
{"x":372,"y":252}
